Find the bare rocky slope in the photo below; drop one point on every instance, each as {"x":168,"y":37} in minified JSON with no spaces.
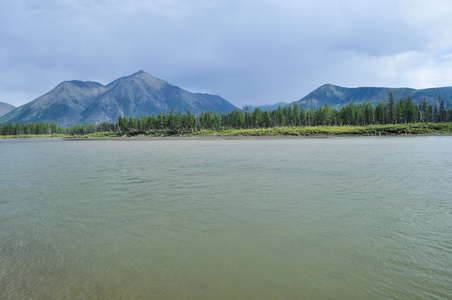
{"x":85,"y":102}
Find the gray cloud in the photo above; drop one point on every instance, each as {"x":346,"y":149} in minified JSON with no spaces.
{"x":254,"y":52}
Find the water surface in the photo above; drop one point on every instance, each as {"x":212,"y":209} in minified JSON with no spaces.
{"x":334,"y":218}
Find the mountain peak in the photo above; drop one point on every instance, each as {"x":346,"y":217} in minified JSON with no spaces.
{"x":139,"y":72}
{"x":87,"y":102}
{"x":140,"y":75}
{"x":330,"y":86}
{"x":140,"y":78}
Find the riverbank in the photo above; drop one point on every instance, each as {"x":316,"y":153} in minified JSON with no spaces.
{"x":264,"y":133}
{"x":34,"y":136}
{"x":240,"y":137}
{"x":283,"y":132}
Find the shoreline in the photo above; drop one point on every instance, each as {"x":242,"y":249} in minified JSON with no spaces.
{"x":240,"y":137}
{"x":182,"y":137}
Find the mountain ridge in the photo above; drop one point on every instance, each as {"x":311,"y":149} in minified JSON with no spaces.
{"x":87,"y":102}
{"x":337,"y":96}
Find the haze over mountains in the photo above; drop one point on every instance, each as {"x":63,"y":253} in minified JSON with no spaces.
{"x":337,"y":96}
{"x":5,"y":108}
{"x":86,"y":102}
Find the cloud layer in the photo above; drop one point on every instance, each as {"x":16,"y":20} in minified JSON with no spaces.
{"x":249,"y":52}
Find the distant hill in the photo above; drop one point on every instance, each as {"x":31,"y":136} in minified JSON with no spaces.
{"x":78,"y":102}
{"x":337,"y":96}
{"x":5,"y":108}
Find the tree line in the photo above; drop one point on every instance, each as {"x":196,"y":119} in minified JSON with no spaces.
{"x":392,"y":112}
{"x":30,"y":128}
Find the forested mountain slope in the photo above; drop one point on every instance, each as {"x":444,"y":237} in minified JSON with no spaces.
{"x":336,"y":96}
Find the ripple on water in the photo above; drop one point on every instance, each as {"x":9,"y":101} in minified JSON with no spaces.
{"x":309,"y":218}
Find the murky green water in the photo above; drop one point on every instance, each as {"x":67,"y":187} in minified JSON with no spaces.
{"x":336,"y":218}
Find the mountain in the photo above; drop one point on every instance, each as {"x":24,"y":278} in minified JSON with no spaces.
{"x":5,"y":108}
{"x":337,"y":96}
{"x":63,"y":104}
{"x":141,"y":93}
{"x":78,"y":102}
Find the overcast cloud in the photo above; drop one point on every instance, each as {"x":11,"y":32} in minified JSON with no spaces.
{"x":249,"y":52}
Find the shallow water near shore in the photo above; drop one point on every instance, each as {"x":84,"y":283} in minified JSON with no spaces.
{"x":329,"y":218}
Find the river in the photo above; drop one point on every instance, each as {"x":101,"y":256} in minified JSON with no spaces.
{"x":308,"y":218}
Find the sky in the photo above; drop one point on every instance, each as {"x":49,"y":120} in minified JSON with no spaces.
{"x":247,"y":51}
